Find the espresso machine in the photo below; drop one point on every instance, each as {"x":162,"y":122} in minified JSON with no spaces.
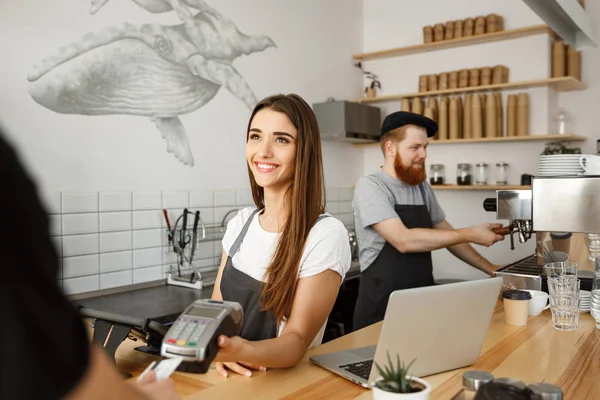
{"x":554,"y":204}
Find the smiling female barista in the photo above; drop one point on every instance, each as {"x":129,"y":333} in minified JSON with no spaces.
{"x":283,"y":260}
{"x":399,"y":221}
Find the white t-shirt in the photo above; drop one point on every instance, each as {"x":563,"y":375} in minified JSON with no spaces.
{"x":327,"y":247}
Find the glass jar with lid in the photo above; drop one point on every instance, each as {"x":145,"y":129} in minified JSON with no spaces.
{"x":502,"y":173}
{"x":563,"y":121}
{"x":464,"y":174}
{"x":481,"y":173}
{"x":437,"y":174}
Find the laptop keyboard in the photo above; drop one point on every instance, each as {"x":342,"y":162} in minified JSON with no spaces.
{"x":361,"y":368}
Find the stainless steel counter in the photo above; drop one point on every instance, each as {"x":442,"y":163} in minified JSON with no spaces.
{"x":161,"y":303}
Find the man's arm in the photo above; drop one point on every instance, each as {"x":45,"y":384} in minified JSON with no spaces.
{"x":103,"y":381}
{"x":70,"y":368}
{"x":417,"y":240}
{"x":466,"y":252}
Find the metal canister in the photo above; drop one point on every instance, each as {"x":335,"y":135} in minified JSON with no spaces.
{"x":546,"y":391}
{"x":472,"y":380}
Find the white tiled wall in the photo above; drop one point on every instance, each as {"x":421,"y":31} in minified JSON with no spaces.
{"x":115,"y":201}
{"x":112,"y":239}
{"x":339,"y":204}
{"x":116,"y":221}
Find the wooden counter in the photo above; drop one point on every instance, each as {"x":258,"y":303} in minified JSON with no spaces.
{"x":534,"y":353}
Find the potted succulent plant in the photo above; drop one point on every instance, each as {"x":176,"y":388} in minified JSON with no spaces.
{"x":560,"y":148}
{"x":395,"y":383}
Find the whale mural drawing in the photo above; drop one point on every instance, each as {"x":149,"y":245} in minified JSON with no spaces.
{"x":149,"y":70}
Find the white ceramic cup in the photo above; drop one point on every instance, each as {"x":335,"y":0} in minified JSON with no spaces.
{"x":539,"y":302}
{"x":592,"y":164}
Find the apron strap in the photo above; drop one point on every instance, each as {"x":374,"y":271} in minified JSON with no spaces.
{"x":322,"y":216}
{"x":238,"y":242}
{"x":422,"y":190}
{"x":236,"y":245}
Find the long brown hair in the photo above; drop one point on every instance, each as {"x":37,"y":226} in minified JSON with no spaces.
{"x":305,"y":199}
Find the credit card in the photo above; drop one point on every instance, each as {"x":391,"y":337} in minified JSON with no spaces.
{"x":163,"y":368}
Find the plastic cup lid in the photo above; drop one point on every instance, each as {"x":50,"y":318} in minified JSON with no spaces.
{"x":516,"y":295}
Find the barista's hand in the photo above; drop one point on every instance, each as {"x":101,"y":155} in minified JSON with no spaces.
{"x":231,"y":349}
{"x":484,"y":236}
{"x":492,"y":268}
{"x":156,"y":390}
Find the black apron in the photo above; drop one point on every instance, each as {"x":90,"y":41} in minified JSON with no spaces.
{"x":242,"y":288}
{"x":393,"y":270}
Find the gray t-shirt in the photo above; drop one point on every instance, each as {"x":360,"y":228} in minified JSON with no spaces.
{"x":374,"y":198}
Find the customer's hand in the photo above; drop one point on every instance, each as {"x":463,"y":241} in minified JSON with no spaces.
{"x":156,"y":390}
{"x":231,"y":349}
{"x":484,"y":236}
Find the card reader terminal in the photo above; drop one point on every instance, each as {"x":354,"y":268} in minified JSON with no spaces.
{"x":193,"y":336}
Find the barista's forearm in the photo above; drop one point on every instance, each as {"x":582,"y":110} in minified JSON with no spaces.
{"x":281,"y":352}
{"x":465,"y":252}
{"x":415,"y":240}
{"x":422,"y":239}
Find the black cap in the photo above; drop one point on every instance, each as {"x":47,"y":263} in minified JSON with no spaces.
{"x":401,"y":118}
{"x":516,"y":295}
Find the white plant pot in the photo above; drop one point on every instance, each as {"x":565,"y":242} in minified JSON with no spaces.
{"x":379,"y":394}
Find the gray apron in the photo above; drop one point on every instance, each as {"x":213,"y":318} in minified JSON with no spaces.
{"x":393,"y":270}
{"x":242,"y":288}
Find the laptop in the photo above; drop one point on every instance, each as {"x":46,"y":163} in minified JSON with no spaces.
{"x":443,"y":327}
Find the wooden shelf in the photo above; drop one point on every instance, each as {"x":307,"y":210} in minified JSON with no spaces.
{"x":460,"y":42}
{"x":562,"y":84}
{"x":566,"y":137}
{"x":480,"y":187}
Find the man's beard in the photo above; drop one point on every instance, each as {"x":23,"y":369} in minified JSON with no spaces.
{"x":412,"y":175}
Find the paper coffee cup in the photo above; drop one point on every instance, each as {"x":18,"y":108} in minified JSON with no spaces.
{"x":516,"y":307}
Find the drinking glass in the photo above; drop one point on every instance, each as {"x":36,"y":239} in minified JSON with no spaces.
{"x":564,"y":302}
{"x":561,"y":269}
{"x":593,"y":245}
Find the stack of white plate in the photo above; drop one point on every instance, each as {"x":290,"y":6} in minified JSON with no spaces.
{"x":560,"y":165}
{"x":586,"y":301}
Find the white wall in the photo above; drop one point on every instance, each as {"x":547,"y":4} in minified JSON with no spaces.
{"x":105,"y":179}
{"x":584,"y":105}
{"x":116,"y":152}
{"x":392,"y":23}
{"x":73,"y":153}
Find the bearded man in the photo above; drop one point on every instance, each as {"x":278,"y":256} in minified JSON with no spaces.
{"x":398,"y":221}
